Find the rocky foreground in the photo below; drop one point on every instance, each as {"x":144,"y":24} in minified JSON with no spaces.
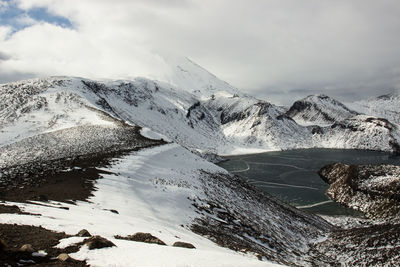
{"x":373,"y":190}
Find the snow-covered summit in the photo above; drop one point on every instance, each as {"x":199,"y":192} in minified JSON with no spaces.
{"x":188,"y":75}
{"x":385,"y":106}
{"x":319,"y":110}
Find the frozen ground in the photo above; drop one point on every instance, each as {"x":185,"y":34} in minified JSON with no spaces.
{"x":166,"y":191}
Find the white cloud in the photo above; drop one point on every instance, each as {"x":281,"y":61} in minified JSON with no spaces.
{"x":4,"y":32}
{"x":3,"y":5}
{"x":264,"y":46}
{"x":25,"y":20}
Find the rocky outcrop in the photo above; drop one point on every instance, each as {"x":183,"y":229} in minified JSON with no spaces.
{"x":372,"y":189}
{"x":142,"y":237}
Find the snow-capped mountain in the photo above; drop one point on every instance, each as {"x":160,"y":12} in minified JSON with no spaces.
{"x":223,"y":123}
{"x":186,"y":74}
{"x":319,"y":110}
{"x":252,"y":124}
{"x":385,"y":106}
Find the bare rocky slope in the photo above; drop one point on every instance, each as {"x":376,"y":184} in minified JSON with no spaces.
{"x":373,"y":190}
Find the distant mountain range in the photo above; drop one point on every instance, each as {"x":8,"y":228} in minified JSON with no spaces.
{"x":198,"y":111}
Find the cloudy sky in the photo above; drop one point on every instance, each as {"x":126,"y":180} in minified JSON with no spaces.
{"x":274,"y":49}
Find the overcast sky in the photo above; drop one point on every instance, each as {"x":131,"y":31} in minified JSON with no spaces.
{"x":277,"y":50}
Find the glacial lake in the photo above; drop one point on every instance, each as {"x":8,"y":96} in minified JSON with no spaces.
{"x":292,"y":175}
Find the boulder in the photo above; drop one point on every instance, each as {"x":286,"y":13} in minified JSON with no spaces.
{"x":183,"y":245}
{"x":84,"y":233}
{"x":64,"y":257}
{"x":96,"y":242}
{"x":27,"y":248}
{"x":143,"y":237}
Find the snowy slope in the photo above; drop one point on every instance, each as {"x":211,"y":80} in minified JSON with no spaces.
{"x":37,"y":106}
{"x":385,"y":106}
{"x":360,"y":132}
{"x":169,"y":192}
{"x":319,"y":110}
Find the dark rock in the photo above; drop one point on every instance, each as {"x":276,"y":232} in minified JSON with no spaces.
{"x":42,"y":198}
{"x":3,"y":245}
{"x":315,"y":129}
{"x":84,"y":233}
{"x":143,"y":237}
{"x":27,"y":248}
{"x":192,"y":107}
{"x":183,"y":245}
{"x":114,"y":211}
{"x":96,"y":242}
{"x":64,"y":257}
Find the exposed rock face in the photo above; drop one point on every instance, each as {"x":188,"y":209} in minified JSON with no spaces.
{"x":374,"y":190}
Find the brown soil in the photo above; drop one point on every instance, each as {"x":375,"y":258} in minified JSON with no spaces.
{"x":41,"y":239}
{"x":55,"y":184}
{"x":10,"y":209}
{"x":65,"y":180}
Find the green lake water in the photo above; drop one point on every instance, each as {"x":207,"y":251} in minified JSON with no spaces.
{"x":292,"y":175}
